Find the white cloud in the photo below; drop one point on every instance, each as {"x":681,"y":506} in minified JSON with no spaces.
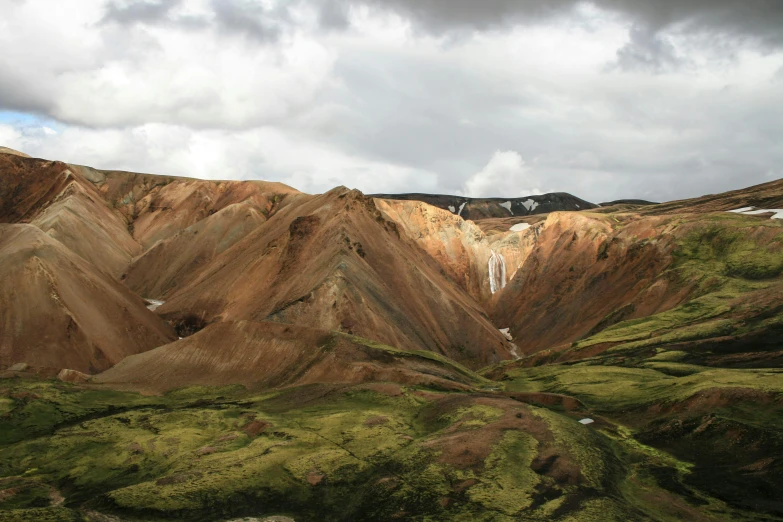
{"x":263,"y":153}
{"x":506,"y":175}
{"x":10,"y":137}
{"x":377,"y":103}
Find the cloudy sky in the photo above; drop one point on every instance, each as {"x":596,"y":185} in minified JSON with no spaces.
{"x":606,"y":99}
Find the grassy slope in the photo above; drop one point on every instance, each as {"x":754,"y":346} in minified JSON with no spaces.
{"x":735,"y":263}
{"x":370,"y":452}
{"x":700,"y":381}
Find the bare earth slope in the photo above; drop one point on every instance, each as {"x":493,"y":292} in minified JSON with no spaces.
{"x":334,"y":262}
{"x":158,"y":207}
{"x":6,"y":150}
{"x":59,"y":311}
{"x":63,"y":203}
{"x":764,"y":196}
{"x":169,"y":263}
{"x":271,"y":355}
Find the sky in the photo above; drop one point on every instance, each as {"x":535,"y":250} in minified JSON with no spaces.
{"x":606,"y":99}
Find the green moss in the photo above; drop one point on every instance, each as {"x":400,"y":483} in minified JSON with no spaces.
{"x":42,"y":515}
{"x":336,"y":453}
{"x":582,"y":444}
{"x":23,"y":493}
{"x":507,"y":484}
{"x":470,"y":376}
{"x":754,"y":264}
{"x":612,"y":389}
{"x":6,"y":405}
{"x":694,"y":332}
{"x":473,"y":416}
{"x":690,"y":313}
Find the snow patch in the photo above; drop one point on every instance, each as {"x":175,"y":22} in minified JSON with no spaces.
{"x":461,"y":208}
{"x":507,"y":333}
{"x":586,"y":421}
{"x":507,"y":206}
{"x":577,"y":206}
{"x":153,"y":304}
{"x":452,"y":209}
{"x":497,"y":272}
{"x":777,"y":213}
{"x":530,"y":205}
{"x":519,"y":227}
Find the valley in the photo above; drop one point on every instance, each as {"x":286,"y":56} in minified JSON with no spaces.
{"x":183,"y":349}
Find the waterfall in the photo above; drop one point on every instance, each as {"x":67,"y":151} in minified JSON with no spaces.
{"x":497,"y":272}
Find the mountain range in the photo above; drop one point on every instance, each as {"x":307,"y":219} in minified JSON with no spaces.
{"x":184,"y":349}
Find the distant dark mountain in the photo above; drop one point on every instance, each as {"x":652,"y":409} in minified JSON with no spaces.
{"x":483,"y":208}
{"x":627,"y":202}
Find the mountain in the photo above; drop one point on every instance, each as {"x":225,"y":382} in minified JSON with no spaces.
{"x":183,"y":349}
{"x":272,"y":355}
{"x":57,"y":310}
{"x":483,"y":208}
{"x":639,"y":202}
{"x":6,"y":150}
{"x":64,"y":204}
{"x":334,"y":262}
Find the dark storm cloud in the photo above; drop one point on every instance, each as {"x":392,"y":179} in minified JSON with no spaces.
{"x":756,"y":21}
{"x":648,"y":50}
{"x":250,"y":18}
{"x":145,"y":11}
{"x":760,"y":20}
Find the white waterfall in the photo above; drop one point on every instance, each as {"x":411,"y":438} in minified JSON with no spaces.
{"x":497,"y":272}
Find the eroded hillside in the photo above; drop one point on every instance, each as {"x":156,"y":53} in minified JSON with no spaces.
{"x":241,"y":349}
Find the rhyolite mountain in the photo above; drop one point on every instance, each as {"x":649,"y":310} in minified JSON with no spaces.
{"x":181,"y":349}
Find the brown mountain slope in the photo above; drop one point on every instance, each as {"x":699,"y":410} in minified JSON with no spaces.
{"x":64,"y":204}
{"x":334,"y":262}
{"x":27,"y":186}
{"x":169,"y":264}
{"x":269,"y":355}
{"x":6,"y":150}
{"x":764,"y":196}
{"x":158,"y":207}
{"x":461,"y":247}
{"x":59,"y":311}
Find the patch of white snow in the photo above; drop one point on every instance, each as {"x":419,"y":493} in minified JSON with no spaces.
{"x":461,"y":208}
{"x":507,"y":206}
{"x":520,"y":227}
{"x":530,"y":205}
{"x":586,"y":421}
{"x":777,"y":213}
{"x":153,"y":304}
{"x":452,"y":209}
{"x":507,"y":333}
{"x":577,"y":206}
